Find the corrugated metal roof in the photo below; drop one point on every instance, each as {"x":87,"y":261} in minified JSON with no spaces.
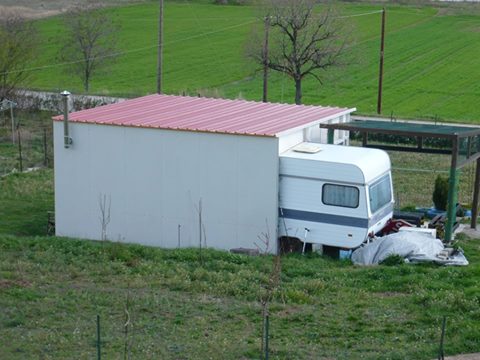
{"x":207,"y":115}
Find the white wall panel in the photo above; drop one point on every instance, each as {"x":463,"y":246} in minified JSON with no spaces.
{"x":155,"y":179}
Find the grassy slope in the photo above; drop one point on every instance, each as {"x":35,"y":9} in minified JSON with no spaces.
{"x":53,"y":288}
{"x":430,"y":68}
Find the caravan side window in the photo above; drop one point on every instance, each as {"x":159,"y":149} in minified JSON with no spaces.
{"x":340,"y":195}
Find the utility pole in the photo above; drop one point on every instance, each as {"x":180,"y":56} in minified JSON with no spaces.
{"x":265,"y":59}
{"x":380,"y":75}
{"x":160,"y":49}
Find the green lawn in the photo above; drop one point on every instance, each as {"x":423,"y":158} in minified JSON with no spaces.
{"x":53,"y":288}
{"x":431,"y":59}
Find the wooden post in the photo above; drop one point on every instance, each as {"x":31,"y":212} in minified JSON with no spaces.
{"x":20,"y":157}
{"x":13,"y":122}
{"x":160,"y":49}
{"x":45,"y":148}
{"x":476,"y":191}
{"x":380,"y":75}
{"x":99,"y":351}
{"x":267,"y":326}
{"x":265,"y":60}
{"x":364,"y":139}
{"x":441,"y":355}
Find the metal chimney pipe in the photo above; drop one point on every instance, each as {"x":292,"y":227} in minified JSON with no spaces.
{"x":66,"y":135}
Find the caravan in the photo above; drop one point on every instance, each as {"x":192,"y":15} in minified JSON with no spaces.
{"x":334,"y":195}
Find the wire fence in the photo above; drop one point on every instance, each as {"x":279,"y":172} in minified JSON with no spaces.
{"x":414,"y":186}
{"x":26,"y":141}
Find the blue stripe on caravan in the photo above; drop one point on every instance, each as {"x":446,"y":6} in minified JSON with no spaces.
{"x":323,"y":218}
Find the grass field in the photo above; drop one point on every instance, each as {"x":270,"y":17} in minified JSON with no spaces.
{"x":53,"y":288}
{"x":431,"y":59}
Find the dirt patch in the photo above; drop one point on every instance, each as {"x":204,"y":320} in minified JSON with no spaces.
{"x":6,"y":284}
{"x":389,"y":294}
{"x":28,"y":12}
{"x":459,"y":8}
{"x":464,"y":357}
{"x":467,"y":230}
{"x":287,"y":312}
{"x":35,"y":9}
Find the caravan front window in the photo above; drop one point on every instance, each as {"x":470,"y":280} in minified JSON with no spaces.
{"x":380,"y":193}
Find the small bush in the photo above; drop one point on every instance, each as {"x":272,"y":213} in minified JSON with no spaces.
{"x":409,"y":207}
{"x":440,"y":193}
{"x":393,"y":260}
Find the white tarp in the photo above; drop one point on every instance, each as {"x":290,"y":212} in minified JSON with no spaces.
{"x":414,"y":247}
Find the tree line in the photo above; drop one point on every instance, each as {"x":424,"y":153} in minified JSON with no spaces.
{"x":89,"y":41}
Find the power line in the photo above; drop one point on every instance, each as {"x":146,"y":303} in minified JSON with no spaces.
{"x":120,"y":53}
{"x":202,"y":34}
{"x":363,"y":14}
{"x":222,"y":63}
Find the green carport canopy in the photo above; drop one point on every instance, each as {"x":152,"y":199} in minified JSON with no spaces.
{"x":464,"y":148}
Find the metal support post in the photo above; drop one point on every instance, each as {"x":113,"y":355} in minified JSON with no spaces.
{"x":330,"y":136}
{"x":452,"y":204}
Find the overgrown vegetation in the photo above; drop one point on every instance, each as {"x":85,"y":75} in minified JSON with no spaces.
{"x":18,"y":39}
{"x":440,"y":193}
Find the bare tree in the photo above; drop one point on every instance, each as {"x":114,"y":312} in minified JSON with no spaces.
{"x":104,"y":204}
{"x":201,"y":230}
{"x":90,"y":40}
{"x":303,"y":42}
{"x":268,"y":289}
{"x":17,"y":49}
{"x":127,"y":325}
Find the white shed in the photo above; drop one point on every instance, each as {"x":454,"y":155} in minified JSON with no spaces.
{"x":156,"y":158}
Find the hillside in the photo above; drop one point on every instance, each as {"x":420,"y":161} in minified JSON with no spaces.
{"x":431,"y":59}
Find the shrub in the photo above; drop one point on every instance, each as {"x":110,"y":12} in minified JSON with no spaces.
{"x":393,"y":260}
{"x":440,"y":193}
